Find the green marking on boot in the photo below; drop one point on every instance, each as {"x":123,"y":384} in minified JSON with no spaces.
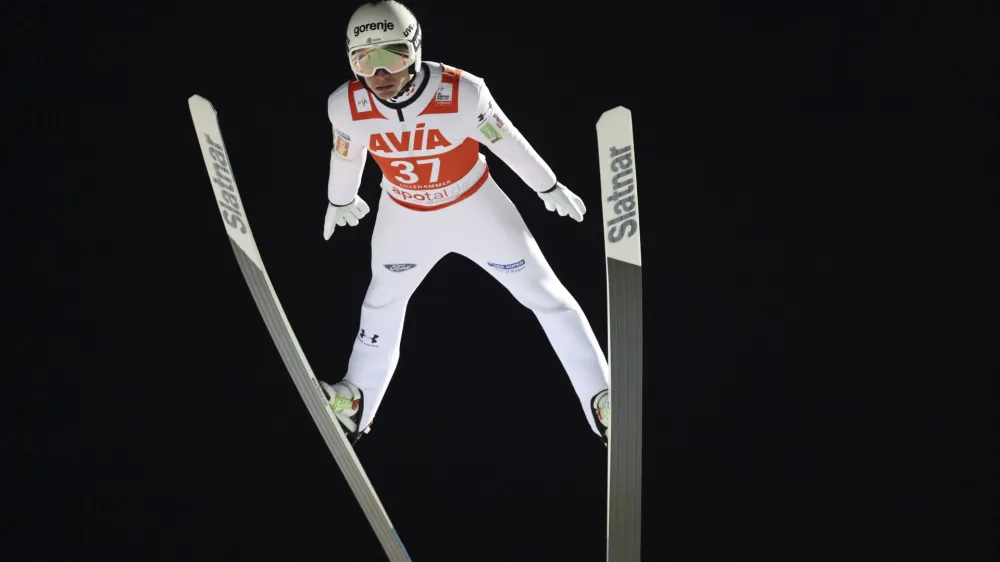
{"x":340,"y":404}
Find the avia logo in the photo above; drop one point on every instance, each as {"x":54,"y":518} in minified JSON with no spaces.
{"x":622,"y":196}
{"x":371,"y":340}
{"x":398,"y":267}
{"x":384,"y":25}
{"x":420,"y":139}
{"x":229,"y":200}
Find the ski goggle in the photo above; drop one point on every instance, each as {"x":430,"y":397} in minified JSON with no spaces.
{"x":392,"y":58}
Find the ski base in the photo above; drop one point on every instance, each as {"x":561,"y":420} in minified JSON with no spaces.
{"x":620,"y":205}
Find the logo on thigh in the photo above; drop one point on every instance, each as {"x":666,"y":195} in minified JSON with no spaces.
{"x":399,"y":267}
{"x":507,"y":267}
{"x":369,"y":340}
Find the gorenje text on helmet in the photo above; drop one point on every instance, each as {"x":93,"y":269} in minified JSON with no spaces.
{"x":384,"y":25}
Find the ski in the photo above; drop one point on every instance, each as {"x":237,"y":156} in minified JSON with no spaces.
{"x":234,"y":217}
{"x":624,"y":283}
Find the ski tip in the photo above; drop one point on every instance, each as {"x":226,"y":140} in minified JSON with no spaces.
{"x":198,"y":100}
{"x":615,"y":112}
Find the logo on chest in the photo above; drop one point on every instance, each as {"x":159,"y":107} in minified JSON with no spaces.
{"x":420,"y":139}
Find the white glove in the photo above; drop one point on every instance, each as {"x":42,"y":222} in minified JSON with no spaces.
{"x":564,"y":202}
{"x":349,"y":214}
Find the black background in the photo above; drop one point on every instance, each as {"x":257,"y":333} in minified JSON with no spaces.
{"x":814,"y":191}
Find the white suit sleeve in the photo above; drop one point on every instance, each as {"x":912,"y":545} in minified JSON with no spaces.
{"x":495,"y":131}
{"x":347,"y":159}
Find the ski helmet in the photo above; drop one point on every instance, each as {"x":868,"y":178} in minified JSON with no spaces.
{"x":383,"y":23}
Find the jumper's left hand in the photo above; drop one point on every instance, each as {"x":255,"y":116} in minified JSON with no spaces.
{"x":563,"y":201}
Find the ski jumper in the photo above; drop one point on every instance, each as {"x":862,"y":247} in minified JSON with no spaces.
{"x":437,"y":198}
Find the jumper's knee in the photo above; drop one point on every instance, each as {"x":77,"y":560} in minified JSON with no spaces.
{"x":546,"y":296}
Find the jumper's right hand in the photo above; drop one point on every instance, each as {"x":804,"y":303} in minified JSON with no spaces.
{"x":344,"y":215}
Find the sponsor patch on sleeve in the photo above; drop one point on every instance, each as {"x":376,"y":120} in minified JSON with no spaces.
{"x":342,"y":144}
{"x":490,"y":132}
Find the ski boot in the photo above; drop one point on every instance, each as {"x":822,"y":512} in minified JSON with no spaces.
{"x":600,"y":406}
{"x":347,"y":402}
